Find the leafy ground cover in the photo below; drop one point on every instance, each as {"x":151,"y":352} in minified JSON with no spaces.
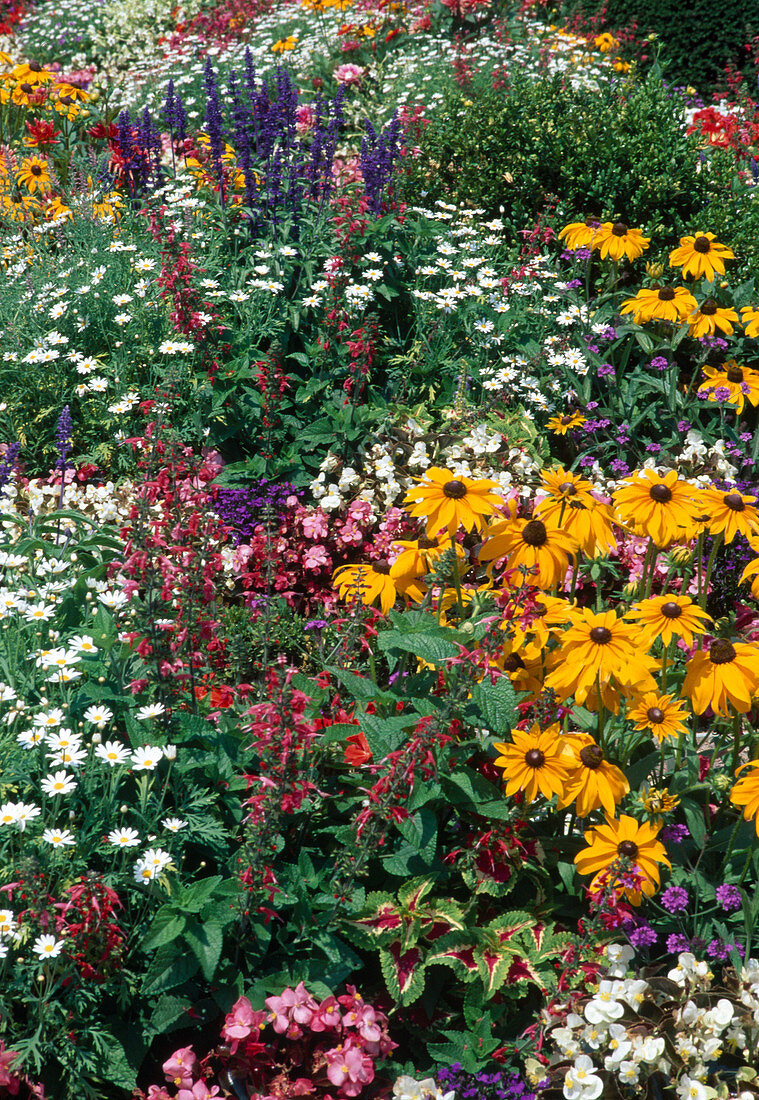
{"x":379,"y":646}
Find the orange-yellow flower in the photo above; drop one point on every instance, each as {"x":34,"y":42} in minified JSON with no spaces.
{"x":571,"y":505}
{"x":741,"y":384}
{"x":597,"y":646}
{"x":623,"y":840}
{"x":448,"y":501}
{"x":701,"y":256}
{"x":727,"y":674}
{"x":580,"y":234}
{"x":745,"y":793}
{"x":372,"y":581}
{"x":617,"y":241}
{"x":34,"y":174}
{"x":657,"y":505}
{"x":534,"y":763}
{"x":663,"y":303}
{"x":668,"y":617}
{"x":663,"y":715}
{"x":593,"y":782}
{"x":750,"y":320}
{"x":535,"y":553}
{"x":560,"y":425}
{"x":709,"y":317}
{"x":731,"y":513}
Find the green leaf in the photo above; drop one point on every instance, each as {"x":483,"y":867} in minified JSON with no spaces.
{"x":194,"y":897}
{"x":206,"y":941}
{"x":496,"y":703}
{"x":694,"y":815}
{"x":169,"y":970}
{"x":167,"y":1011}
{"x":432,"y":647}
{"x":166,"y":925}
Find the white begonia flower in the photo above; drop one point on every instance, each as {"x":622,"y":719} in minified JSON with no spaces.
{"x":604,"y":1008}
{"x":633,"y":992}
{"x":566,"y":1041}
{"x":581,"y":1083}
{"x":627,"y":1073}
{"x":619,"y":956}
{"x":690,"y":1089}
{"x":719,"y":1016}
{"x":618,"y":1045}
{"x":650,"y":1050}
{"x":594,"y":1037}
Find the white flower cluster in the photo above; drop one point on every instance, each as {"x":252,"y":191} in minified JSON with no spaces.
{"x":408,"y":1088}
{"x":614,"y":1037}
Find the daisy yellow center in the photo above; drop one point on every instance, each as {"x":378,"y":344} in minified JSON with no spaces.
{"x":722,"y":652}
{"x":660,"y":492}
{"x":735,"y":502}
{"x":655,"y":715}
{"x":702,"y":244}
{"x":628,"y":849}
{"x":600,"y":635}
{"x":709,"y":307}
{"x":619,"y":229}
{"x":535,"y":533}
{"x":592,"y":756}
{"x":666,"y":294}
{"x":534,"y":758}
{"x":455,"y":490}
{"x":568,"y":487}
{"x":381,"y":567}
{"x":671,"y":610}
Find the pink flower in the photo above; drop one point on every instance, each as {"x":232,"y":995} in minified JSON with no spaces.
{"x":158,"y":1092}
{"x":316,"y":558}
{"x":295,"y":1006}
{"x":7,"y":1079}
{"x":180,"y":1068}
{"x":349,"y":1069}
{"x":305,"y":117}
{"x":349,"y":74}
{"x":199,"y":1091}
{"x":315,"y":525}
{"x":243,"y":1019}
{"x":327,"y":1015}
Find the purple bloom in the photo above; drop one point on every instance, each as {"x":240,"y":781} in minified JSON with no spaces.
{"x":316,"y":624}
{"x":573,"y":284}
{"x":620,"y":467}
{"x":683,"y":425}
{"x":606,"y":370}
{"x":729,"y":897}
{"x":675,"y":834}
{"x":675,"y":899}
{"x":722,"y":393}
{"x":63,"y":433}
{"x":588,"y":460}
{"x":591,"y":405}
{"x":653,"y":448}
{"x":659,"y":362}
{"x":642,"y":936}
{"x":677,"y":943}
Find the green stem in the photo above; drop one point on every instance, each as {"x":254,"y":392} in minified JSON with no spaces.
{"x":709,"y":566}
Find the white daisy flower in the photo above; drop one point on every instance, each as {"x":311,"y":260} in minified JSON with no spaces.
{"x":174,"y":824}
{"x":7,"y":923}
{"x":47,"y":947}
{"x":58,"y":783}
{"x":112,"y":753}
{"x":99,"y":716}
{"x":59,"y":838}
{"x":146,"y":758}
{"x":124,"y":838}
{"x":152,"y":710}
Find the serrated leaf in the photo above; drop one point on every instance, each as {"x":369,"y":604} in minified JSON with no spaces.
{"x":496,"y":705}
{"x":206,"y":942}
{"x":403,"y":972}
{"x":434,"y":648}
{"x":166,"y":925}
{"x":162,"y":978}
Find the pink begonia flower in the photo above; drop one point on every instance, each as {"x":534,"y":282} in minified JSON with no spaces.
{"x":158,"y":1092}
{"x":294,"y":1006}
{"x":315,"y":525}
{"x":305,"y":117}
{"x":349,"y":1069}
{"x":349,"y":74}
{"x":199,"y":1091}
{"x":239,"y":1023}
{"x":327,"y":1015}
{"x":316,"y":557}
{"x":180,"y":1068}
{"x":8,"y":1080}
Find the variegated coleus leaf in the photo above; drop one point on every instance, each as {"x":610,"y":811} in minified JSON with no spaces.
{"x":404,"y":973}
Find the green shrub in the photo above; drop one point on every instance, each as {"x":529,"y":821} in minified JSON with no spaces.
{"x":620,"y":148}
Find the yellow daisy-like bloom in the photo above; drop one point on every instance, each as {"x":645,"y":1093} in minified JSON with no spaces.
{"x":727,"y":674}
{"x":659,"y":506}
{"x":593,"y":782}
{"x":560,"y":425}
{"x":590,"y":523}
{"x":285,"y":44}
{"x":419,"y":556}
{"x":741,"y":382}
{"x":33,"y":73}
{"x":701,"y":256}
{"x":597,"y":646}
{"x":620,"y":66}
{"x":745,"y":793}
{"x":562,"y":486}
{"x":662,"y":714}
{"x":536,"y":553}
{"x":370,"y":582}
{"x":751,"y":572}
{"x":662,"y":303}
{"x":750,"y":320}
{"x":34,"y":174}
{"x":709,"y":317}
{"x":580,"y":234}
{"x":731,"y":513}
{"x":624,"y":839}
{"x":523,"y":667}
{"x":71,"y":92}
{"x":449,"y":502}
{"x":669,"y":617}
{"x":617,"y":242}
{"x":535,"y":763}
{"x":539,"y":621}
{"x":606,"y":42}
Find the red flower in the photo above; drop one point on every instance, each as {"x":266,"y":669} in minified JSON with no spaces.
{"x":41,"y":133}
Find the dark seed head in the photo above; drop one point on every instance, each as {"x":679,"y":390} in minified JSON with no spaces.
{"x":721,"y":652}
{"x":671,"y":610}
{"x":455,"y":490}
{"x":660,"y":493}
{"x":534,"y":758}
{"x":709,"y":307}
{"x":666,"y":294}
{"x":534,"y":533}
{"x":27,"y":89}
{"x":425,"y":543}
{"x":628,"y":849}
{"x":381,"y":567}
{"x":619,"y":229}
{"x":568,"y":488}
{"x":734,"y":374}
{"x":655,"y":715}
{"x":592,"y":756}
{"x":513,"y":663}
{"x":35,"y":67}
{"x":702,"y":245}
{"x":601,"y":635}
{"x":735,"y":502}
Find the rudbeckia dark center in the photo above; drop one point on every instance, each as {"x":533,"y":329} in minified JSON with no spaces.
{"x":426,"y":544}
{"x":592,"y":756}
{"x":671,"y":610}
{"x":513,"y":663}
{"x":535,"y":533}
{"x":655,"y":715}
{"x":734,"y":374}
{"x":601,"y":635}
{"x":709,"y":307}
{"x":35,"y":67}
{"x":702,"y":244}
{"x":619,"y":229}
{"x":381,"y":567}
{"x":567,"y":419}
{"x":722,"y":652}
{"x":666,"y":294}
{"x":735,"y":502}
{"x":568,"y":487}
{"x":534,"y":758}
{"x":454,"y":489}
{"x":660,"y":493}
{"x":27,"y":89}
{"x":628,"y":849}
{"x":36,"y":170}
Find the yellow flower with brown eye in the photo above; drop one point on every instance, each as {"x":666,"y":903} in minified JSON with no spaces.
{"x":561,"y":425}
{"x":34,"y":174}
{"x":701,"y":256}
{"x":593,"y":782}
{"x":562,"y":486}
{"x":725,"y":676}
{"x":524,"y":667}
{"x":536,"y":553}
{"x":669,"y":617}
{"x":418,"y":557}
{"x":731,"y":513}
{"x":71,"y":91}
{"x":285,"y":44}
{"x":32,"y":73}
{"x":590,"y":524}
{"x":663,"y":715}
{"x":615,"y":241}
{"x":606,"y":42}
{"x":741,"y":384}
{"x":538,"y":621}
{"x":745,"y":793}
{"x":657,"y":505}
{"x":597,"y":645}
{"x":710,"y":318}
{"x":580,"y":234}
{"x":657,"y":802}
{"x":625,"y":840}
{"x":534,"y":762}
{"x":28,"y":95}
{"x":751,"y":572}
{"x":661,"y":303}
{"x":372,"y":581}
{"x":448,"y":501}
{"x":750,"y":320}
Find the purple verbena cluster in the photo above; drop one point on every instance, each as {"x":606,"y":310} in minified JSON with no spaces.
{"x":500,"y":1085}
{"x":244,"y":509}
